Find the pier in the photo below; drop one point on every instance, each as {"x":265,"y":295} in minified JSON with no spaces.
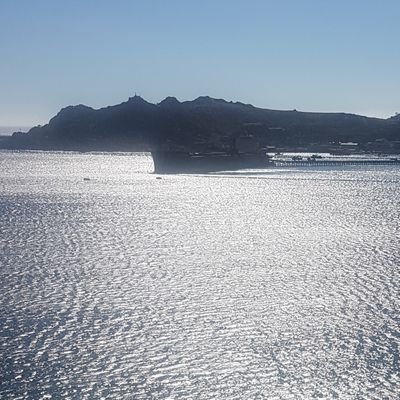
{"x":331,"y":162}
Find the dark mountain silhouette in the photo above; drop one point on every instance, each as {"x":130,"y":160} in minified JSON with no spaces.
{"x":204,"y":124}
{"x":395,"y":118}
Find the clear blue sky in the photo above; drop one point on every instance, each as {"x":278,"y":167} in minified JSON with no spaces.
{"x":312,"y":55}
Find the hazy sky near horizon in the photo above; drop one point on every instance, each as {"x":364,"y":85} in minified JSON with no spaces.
{"x":309,"y":55}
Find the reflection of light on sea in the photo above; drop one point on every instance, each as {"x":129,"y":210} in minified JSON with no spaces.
{"x":275,"y":283}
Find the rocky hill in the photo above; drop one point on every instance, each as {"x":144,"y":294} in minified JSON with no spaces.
{"x":202,"y":124}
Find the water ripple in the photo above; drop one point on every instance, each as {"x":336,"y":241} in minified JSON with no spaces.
{"x":124,"y":286}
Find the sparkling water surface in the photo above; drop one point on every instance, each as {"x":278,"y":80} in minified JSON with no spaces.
{"x":275,"y":284}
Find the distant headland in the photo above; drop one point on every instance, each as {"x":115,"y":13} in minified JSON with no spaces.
{"x":205,"y":125}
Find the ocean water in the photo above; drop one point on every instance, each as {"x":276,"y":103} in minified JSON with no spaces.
{"x":275,"y":284}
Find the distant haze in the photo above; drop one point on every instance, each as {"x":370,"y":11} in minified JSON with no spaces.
{"x":9,"y":130}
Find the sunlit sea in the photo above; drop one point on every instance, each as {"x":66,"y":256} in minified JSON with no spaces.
{"x":274,"y":284}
